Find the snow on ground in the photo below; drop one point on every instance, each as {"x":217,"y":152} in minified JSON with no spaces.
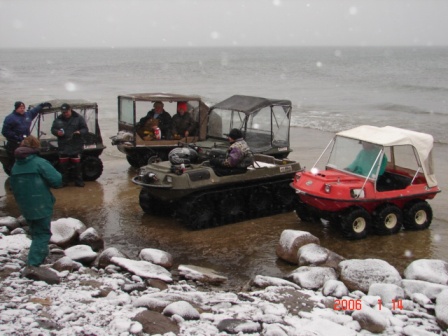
{"x":138,"y":298}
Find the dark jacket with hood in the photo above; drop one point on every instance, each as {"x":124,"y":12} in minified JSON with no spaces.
{"x":31,"y":179}
{"x":17,"y":126}
{"x":69,"y":143}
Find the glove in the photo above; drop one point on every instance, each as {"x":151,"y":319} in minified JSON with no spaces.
{"x":46,"y":104}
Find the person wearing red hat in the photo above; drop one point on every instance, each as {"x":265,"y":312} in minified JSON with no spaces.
{"x":183,"y":123}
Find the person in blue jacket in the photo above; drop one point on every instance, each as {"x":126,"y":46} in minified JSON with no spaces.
{"x":31,"y":180}
{"x":17,"y":124}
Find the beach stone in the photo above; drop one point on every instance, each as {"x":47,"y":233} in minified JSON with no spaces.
{"x":92,"y":238}
{"x":157,"y":257}
{"x":182,"y":308}
{"x":431,"y":290}
{"x":155,"y":283}
{"x":65,"y":264}
{"x":387,"y":292}
{"x":334,"y":288}
{"x":41,"y":274}
{"x":291,"y":241}
{"x":263,"y":281}
{"x":370,"y":319}
{"x":105,"y":257}
{"x":10,"y":222}
{"x":441,"y":309}
{"x":19,"y":241}
{"x":81,"y":253}
{"x":128,"y":288}
{"x":65,"y":231}
{"x":201,"y":274}
{"x":237,"y":326}
{"x":143,"y":268}
{"x":316,"y":255}
{"x":312,"y":277}
{"x":152,"y":303}
{"x":359,"y":274}
{"x":18,"y":231}
{"x":4,"y":230}
{"x":155,"y":323}
{"x":431,"y":270}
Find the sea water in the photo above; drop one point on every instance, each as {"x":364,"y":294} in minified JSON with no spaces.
{"x":331,"y":89}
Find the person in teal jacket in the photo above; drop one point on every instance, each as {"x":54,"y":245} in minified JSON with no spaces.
{"x":31,"y":179}
{"x":366,"y":158}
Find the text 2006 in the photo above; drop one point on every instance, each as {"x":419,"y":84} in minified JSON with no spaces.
{"x":347,"y":304}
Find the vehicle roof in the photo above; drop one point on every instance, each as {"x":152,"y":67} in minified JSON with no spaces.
{"x":164,"y":96}
{"x":391,"y":136}
{"x":74,"y":103}
{"x":248,"y":104}
{"x":394,"y":136}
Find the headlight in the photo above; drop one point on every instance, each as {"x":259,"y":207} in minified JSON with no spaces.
{"x":327,"y":188}
{"x":148,"y":177}
{"x":169,"y":179}
{"x":357,"y":193}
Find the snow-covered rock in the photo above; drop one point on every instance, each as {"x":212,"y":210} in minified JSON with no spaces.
{"x":201,"y":274}
{"x":105,"y":258}
{"x":359,"y":274}
{"x":10,"y":222}
{"x":143,"y":268}
{"x":441,"y":309}
{"x":334,"y":288}
{"x":66,"y":230}
{"x":291,"y":241}
{"x":263,"y":281}
{"x":370,"y":319}
{"x":430,"y":270}
{"x":20,"y":241}
{"x":387,"y":292}
{"x":81,"y":253}
{"x":431,"y":290}
{"x":157,"y":257}
{"x":312,"y":277}
{"x":183,"y":309}
{"x":92,"y":238}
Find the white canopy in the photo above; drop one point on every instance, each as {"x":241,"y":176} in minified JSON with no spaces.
{"x":389,"y":136}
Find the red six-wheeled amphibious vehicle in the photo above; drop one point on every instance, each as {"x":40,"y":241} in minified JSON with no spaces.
{"x":375,"y":179}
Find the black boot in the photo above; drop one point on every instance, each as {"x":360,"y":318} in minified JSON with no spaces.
{"x":63,"y":168}
{"x":78,"y":175}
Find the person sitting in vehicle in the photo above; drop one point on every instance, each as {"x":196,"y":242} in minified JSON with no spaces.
{"x":365,"y":159}
{"x":157,"y":117}
{"x":238,"y":157}
{"x":183,"y":123}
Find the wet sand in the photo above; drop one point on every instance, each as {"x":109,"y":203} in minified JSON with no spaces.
{"x":239,"y":250}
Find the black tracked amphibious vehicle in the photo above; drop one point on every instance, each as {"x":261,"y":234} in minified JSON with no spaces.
{"x":194,"y":194}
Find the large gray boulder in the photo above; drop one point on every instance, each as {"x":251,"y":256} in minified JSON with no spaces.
{"x":312,"y":277}
{"x":359,"y":274}
{"x":431,"y":270}
{"x":291,"y":241}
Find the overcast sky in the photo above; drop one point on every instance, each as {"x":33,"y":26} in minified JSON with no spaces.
{"x":154,"y":23}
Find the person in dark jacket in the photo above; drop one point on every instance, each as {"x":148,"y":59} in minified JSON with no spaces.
{"x":238,"y":156}
{"x":69,"y":127}
{"x":183,"y":123}
{"x":162,"y":118}
{"x":31,"y":180}
{"x":17,"y":125}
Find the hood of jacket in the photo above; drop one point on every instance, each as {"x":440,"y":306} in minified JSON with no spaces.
{"x":23,"y":152}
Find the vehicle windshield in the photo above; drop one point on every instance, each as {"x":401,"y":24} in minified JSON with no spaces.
{"x":43,"y":128}
{"x":359,"y":157}
{"x":142,"y":108}
{"x":267,"y":127}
